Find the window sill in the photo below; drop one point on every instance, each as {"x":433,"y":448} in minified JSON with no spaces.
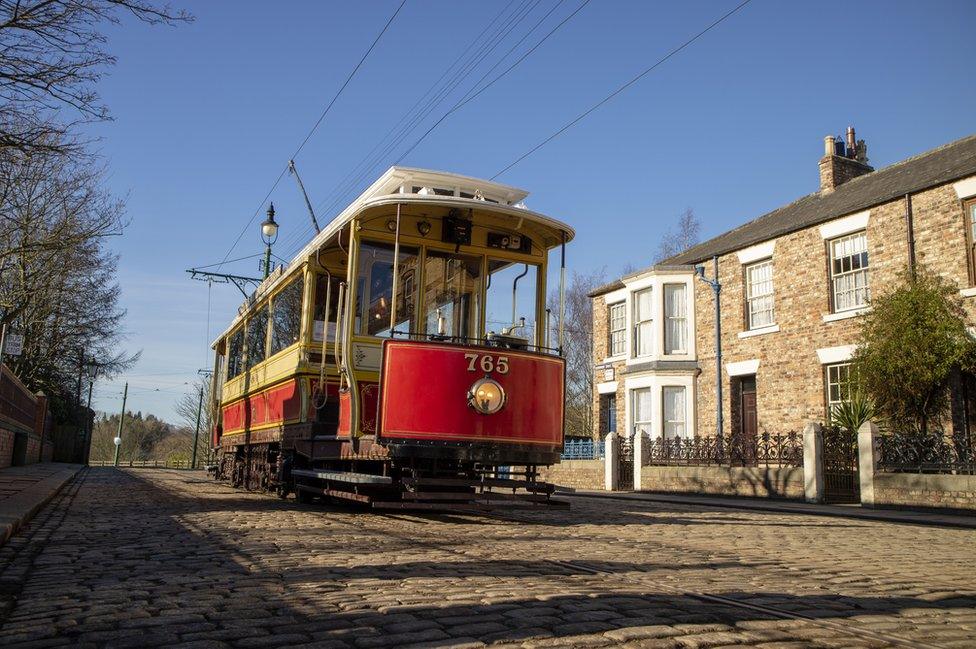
{"x":844,"y":315}
{"x":759,"y":331}
{"x":968,"y":292}
{"x":614,"y":359}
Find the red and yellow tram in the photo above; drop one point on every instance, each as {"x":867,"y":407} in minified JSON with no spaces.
{"x":405,"y":357}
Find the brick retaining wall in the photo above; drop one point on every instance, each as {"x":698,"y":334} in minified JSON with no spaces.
{"x":577,"y":474}
{"x":771,"y":482}
{"x":6,"y":448}
{"x":925,"y":490}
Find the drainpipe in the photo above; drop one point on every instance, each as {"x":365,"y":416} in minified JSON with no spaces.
{"x":717,"y":289}
{"x":910,"y":221}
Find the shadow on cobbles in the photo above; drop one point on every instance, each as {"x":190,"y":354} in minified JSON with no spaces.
{"x":132,"y":565}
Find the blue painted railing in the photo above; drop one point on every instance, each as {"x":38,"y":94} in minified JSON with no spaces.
{"x":582,"y":449}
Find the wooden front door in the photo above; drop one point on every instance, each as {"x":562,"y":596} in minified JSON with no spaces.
{"x":749,"y":424}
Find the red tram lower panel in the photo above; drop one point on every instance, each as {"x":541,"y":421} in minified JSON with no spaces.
{"x":426,"y":401}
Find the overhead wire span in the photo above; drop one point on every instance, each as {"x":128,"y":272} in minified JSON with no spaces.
{"x":619,"y":90}
{"x":311,"y":132}
{"x":412,"y":114}
{"x":414,"y":117}
{"x":464,"y":100}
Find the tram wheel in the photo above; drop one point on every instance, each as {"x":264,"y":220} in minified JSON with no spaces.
{"x":302,"y":496}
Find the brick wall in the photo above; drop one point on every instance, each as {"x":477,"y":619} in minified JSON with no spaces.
{"x":925,"y":490}
{"x":790,"y":378}
{"x":601,"y":350}
{"x":6,"y":448}
{"x":576,"y":474}
{"x":771,"y":482}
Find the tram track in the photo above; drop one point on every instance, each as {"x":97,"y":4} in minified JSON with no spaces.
{"x":449,"y":543}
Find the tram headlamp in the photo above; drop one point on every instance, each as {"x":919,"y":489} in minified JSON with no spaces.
{"x":486,"y":396}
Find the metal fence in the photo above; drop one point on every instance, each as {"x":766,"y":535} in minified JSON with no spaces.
{"x":147,"y":464}
{"x":582,"y":449}
{"x":915,"y":452}
{"x":766,"y":449}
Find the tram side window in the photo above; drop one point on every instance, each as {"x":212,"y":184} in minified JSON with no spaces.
{"x":286,"y":316}
{"x":235,"y":354}
{"x":511,"y":295}
{"x":374,"y":290}
{"x":257,"y":337}
{"x":452,"y":294}
{"x":323,"y":291}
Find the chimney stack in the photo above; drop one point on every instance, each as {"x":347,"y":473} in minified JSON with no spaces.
{"x":842,"y":161}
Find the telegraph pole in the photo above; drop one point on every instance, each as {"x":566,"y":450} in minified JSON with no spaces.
{"x":118,"y":437}
{"x":196,"y":433}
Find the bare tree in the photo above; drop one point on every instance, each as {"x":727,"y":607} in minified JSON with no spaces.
{"x":52,"y":54}
{"x":187,"y":408}
{"x":684,"y":235}
{"x":578,"y":350}
{"x":57,"y":279}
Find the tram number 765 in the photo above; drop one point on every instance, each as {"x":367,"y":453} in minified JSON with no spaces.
{"x":487,"y":363}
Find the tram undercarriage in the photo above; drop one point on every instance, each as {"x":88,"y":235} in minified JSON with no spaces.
{"x":366,"y":473}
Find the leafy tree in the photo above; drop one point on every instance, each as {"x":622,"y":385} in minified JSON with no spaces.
{"x":911,"y":342}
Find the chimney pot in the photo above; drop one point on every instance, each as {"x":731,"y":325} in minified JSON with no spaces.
{"x":842,"y":161}
{"x":828,"y":145}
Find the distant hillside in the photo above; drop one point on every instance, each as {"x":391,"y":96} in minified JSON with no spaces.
{"x":145,"y":437}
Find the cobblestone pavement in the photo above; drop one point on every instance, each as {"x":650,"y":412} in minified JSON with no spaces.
{"x":163,"y":558}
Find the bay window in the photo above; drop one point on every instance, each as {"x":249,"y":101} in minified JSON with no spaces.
{"x":643,"y":323}
{"x":675,"y":319}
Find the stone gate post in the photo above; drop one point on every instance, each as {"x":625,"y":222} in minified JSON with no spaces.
{"x":867,"y":460}
{"x":813,"y":477}
{"x":638,"y":452}
{"x":610,"y":461}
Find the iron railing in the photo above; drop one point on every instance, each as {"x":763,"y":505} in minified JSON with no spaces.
{"x":582,"y":449}
{"x":915,"y":452}
{"x":766,"y":449}
{"x":148,"y":464}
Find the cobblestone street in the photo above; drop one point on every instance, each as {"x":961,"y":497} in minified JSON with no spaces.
{"x":137,"y":558}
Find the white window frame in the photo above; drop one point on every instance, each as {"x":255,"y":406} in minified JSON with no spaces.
{"x":757,"y":292}
{"x":648,"y":323}
{"x":636,"y":423}
{"x":681,"y":321}
{"x":619,"y":334}
{"x":668,"y":425}
{"x":859,"y":258}
{"x":843,"y":384}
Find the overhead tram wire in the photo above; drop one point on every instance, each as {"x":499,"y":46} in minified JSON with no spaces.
{"x":410,"y":111}
{"x":312,"y":131}
{"x":619,"y":90}
{"x":469,"y":96}
{"x":483,"y":47}
{"x":464,"y":100}
{"x":365,"y":166}
{"x":294,"y":241}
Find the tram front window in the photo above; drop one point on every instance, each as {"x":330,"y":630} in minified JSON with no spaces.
{"x":374,"y":290}
{"x":452,"y":294}
{"x":511,"y":296}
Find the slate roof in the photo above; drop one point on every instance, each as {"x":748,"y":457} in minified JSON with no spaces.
{"x":936,"y":167}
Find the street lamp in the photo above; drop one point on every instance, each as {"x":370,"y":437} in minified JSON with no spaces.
{"x":269,"y":233}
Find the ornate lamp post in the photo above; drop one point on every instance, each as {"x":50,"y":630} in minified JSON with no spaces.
{"x":269,"y":233}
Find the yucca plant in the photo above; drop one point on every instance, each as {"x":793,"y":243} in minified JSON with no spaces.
{"x":851,"y":414}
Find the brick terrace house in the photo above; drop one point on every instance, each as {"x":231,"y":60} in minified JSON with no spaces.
{"x":793,"y":283}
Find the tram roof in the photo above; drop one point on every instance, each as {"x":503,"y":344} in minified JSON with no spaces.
{"x":413,"y":186}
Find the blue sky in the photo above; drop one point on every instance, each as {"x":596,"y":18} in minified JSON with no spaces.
{"x":207,"y":115}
